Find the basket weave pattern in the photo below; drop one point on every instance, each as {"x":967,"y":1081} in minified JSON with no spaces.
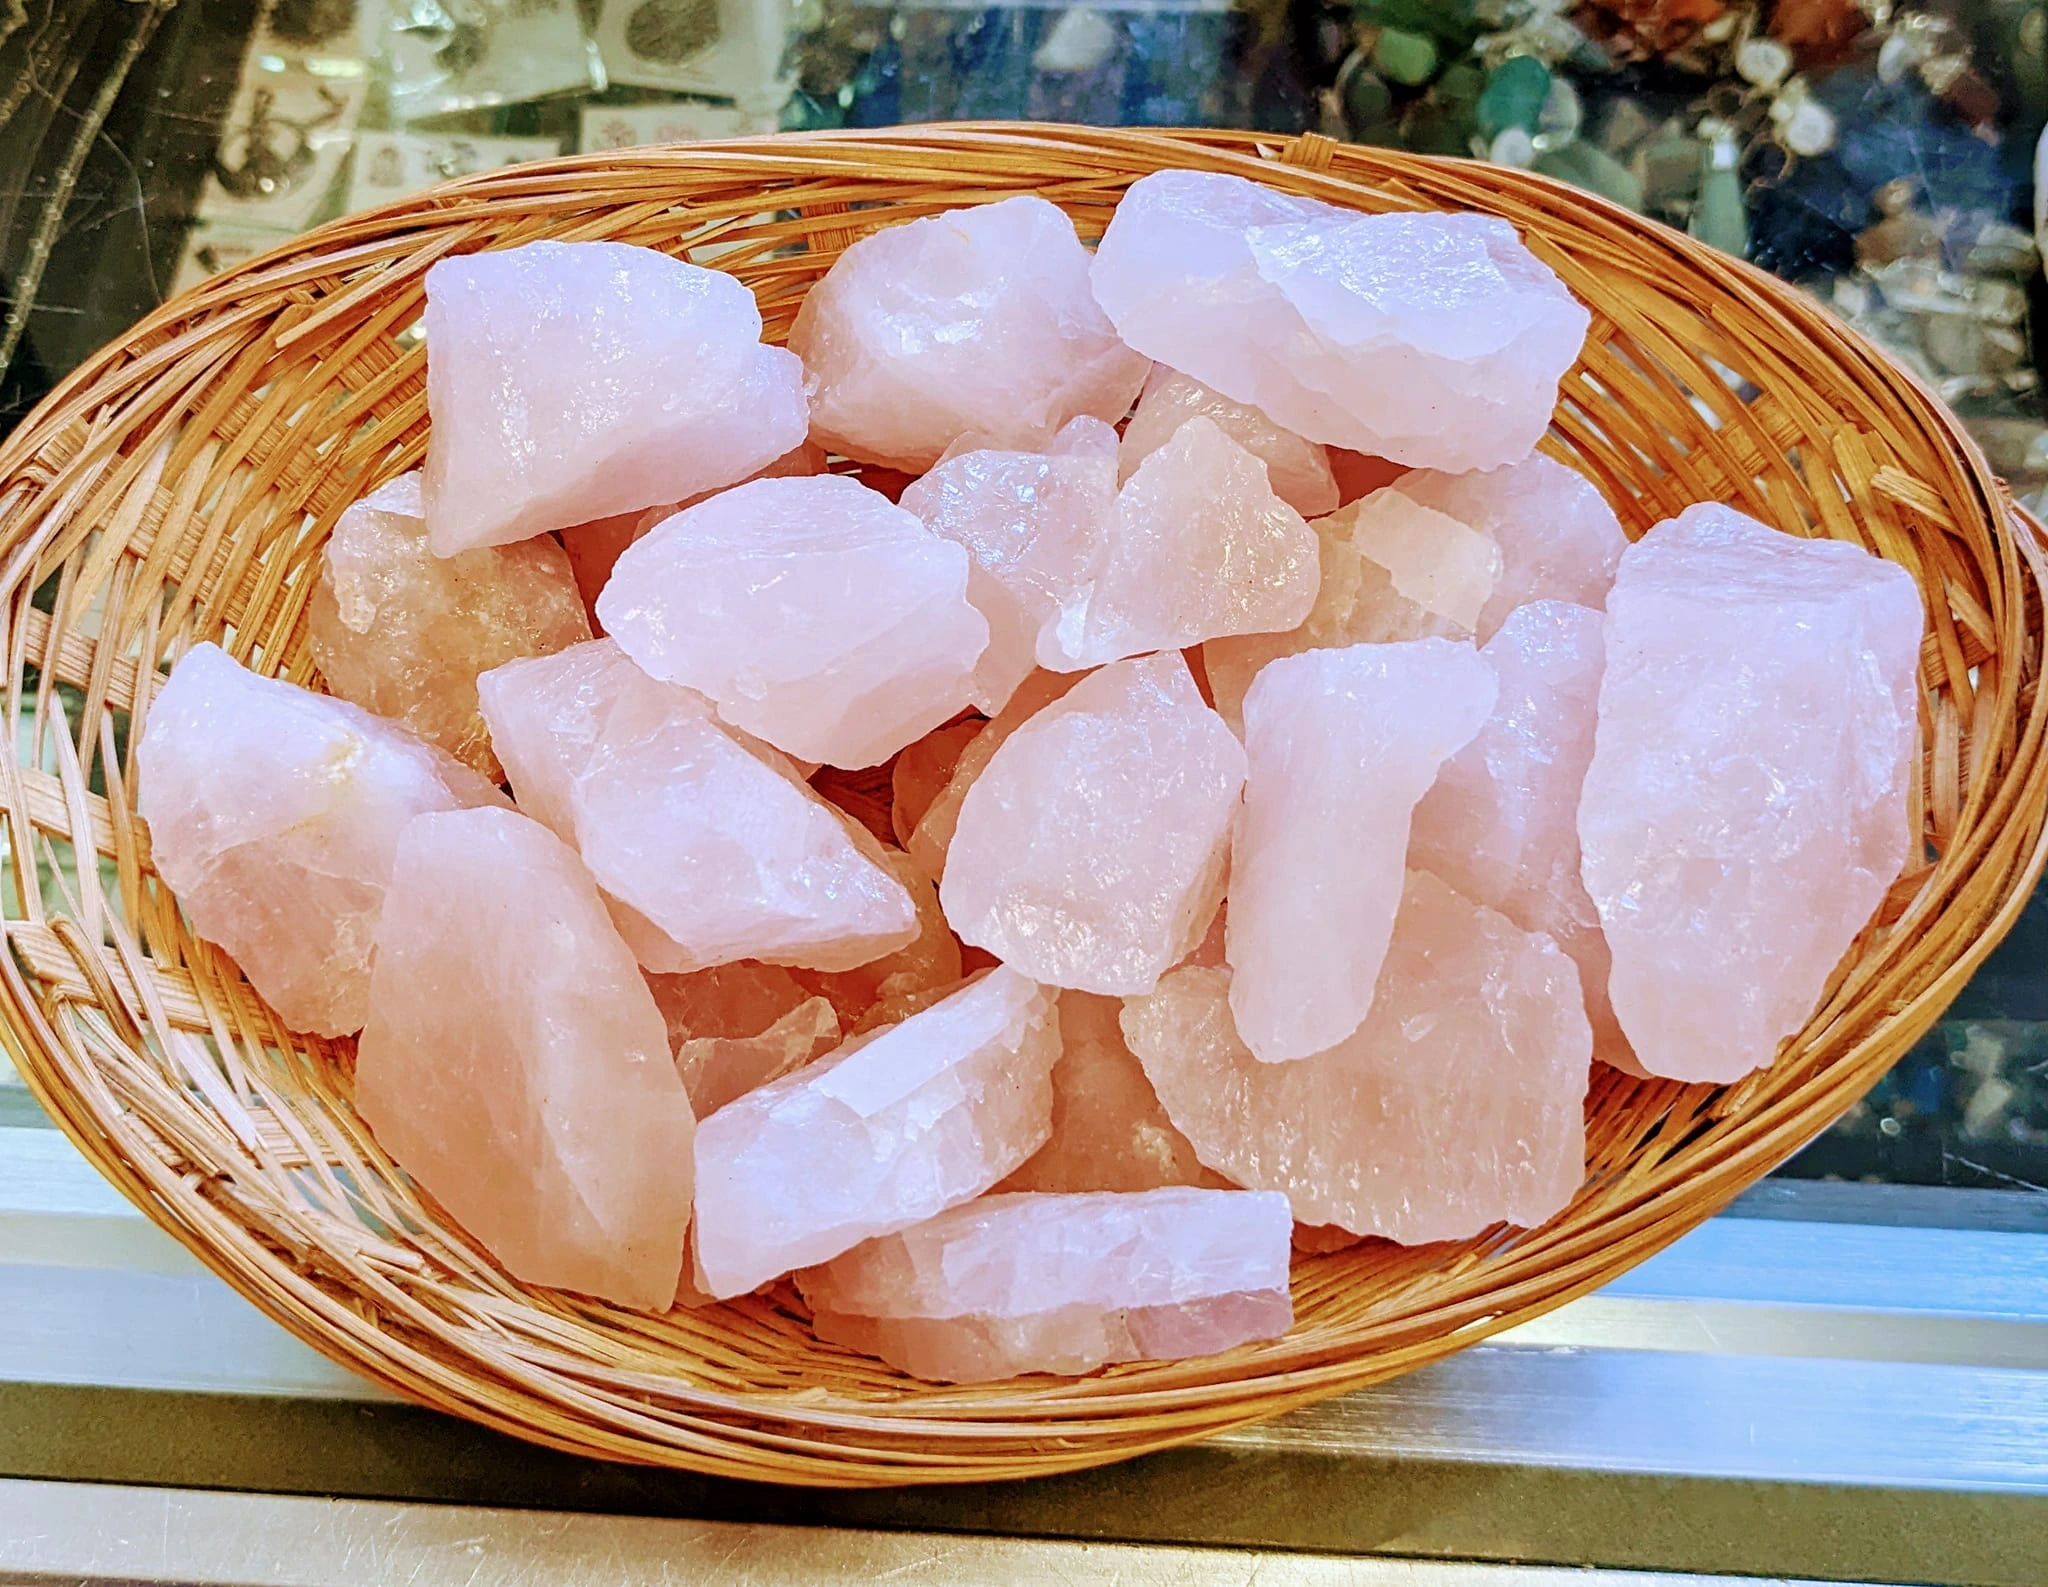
{"x":179,"y":488}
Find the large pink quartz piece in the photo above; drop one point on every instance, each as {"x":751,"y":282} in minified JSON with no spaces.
{"x":716,"y":848}
{"x":1746,"y":805}
{"x":1340,"y":745}
{"x":402,"y":632}
{"x":976,"y":323}
{"x":814,"y":612}
{"x":1298,"y":470}
{"x":274,"y":814}
{"x":1062,"y":1283}
{"x":1501,"y":824}
{"x":1431,"y":339}
{"x":1457,"y":1105}
{"x":891,"y":1129}
{"x":516,"y":1066}
{"x":571,"y":381}
{"x":933,"y":834}
{"x":1090,"y":851}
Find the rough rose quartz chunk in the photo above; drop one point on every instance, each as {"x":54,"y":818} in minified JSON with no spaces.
{"x":1108,"y":1130}
{"x":402,"y":632}
{"x":816,"y":614}
{"x":273,"y":814}
{"x":1340,"y":745}
{"x":515,"y":1065}
{"x":1090,"y":851}
{"x":888,"y":1131}
{"x":1457,"y":1105}
{"x":572,"y":381}
{"x":1298,"y":470}
{"x":1745,"y":809}
{"x":1049,"y":1283}
{"x":739,"y":1026}
{"x":933,"y":834}
{"x":1433,"y":340}
{"x":1035,"y":525}
{"x":1501,"y":823}
{"x":898,"y":984}
{"x":719,"y":852}
{"x":978,"y":322}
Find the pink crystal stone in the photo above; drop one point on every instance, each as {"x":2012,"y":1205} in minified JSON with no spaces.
{"x":738,"y":1026}
{"x":1430,"y":339}
{"x":572,"y":381}
{"x":933,"y":834}
{"x":815,"y":614}
{"x":978,"y":322}
{"x":1062,"y":1283}
{"x":1746,"y":806}
{"x":1298,"y":470}
{"x":515,"y":1065}
{"x":273,"y":814}
{"x":1340,"y":745}
{"x":891,"y":1129}
{"x":1457,"y":1105}
{"x":1090,"y":851}
{"x":920,"y":774}
{"x":404,"y":633}
{"x":718,"y":850}
{"x":897,"y":985}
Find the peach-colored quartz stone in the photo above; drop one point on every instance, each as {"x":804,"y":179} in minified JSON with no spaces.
{"x":933,"y":834}
{"x":1457,"y":1105}
{"x":1062,"y":1283}
{"x":889,"y":1130}
{"x":898,"y":984}
{"x":738,"y":1026}
{"x":920,"y":774}
{"x":515,"y":1065}
{"x":273,"y":814}
{"x":1746,"y":806}
{"x":1298,"y":470}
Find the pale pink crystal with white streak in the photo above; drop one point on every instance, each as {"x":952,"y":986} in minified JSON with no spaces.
{"x":891,"y":1129}
{"x":1298,"y":470}
{"x":568,"y":381}
{"x":515,"y":1065}
{"x":1011,"y":1284}
{"x":1745,"y":809}
{"x":1457,"y":1105}
{"x":1340,"y":745}
{"x":274,"y":814}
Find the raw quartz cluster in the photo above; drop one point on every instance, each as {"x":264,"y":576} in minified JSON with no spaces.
{"x":1292,"y":791}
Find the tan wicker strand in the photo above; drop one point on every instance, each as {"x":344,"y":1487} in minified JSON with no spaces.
{"x":178,"y":486}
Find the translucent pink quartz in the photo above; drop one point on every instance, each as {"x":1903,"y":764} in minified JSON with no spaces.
{"x":1108,"y":1130}
{"x":1298,"y":470}
{"x":921,"y":773}
{"x":898,"y":984}
{"x":1200,"y":547}
{"x":1048,"y":1283}
{"x":1035,"y":525}
{"x":933,"y":834}
{"x":739,"y":1026}
{"x":515,"y":1065}
{"x":1559,"y":540}
{"x":891,"y":1129}
{"x":273,"y":814}
{"x":978,"y":322}
{"x":1501,"y":823}
{"x":572,"y":381}
{"x":1340,"y":745}
{"x":716,"y":848}
{"x":1745,"y":809}
{"x":1457,"y":1105}
{"x":816,"y":614}
{"x":402,"y":632}
{"x":1430,"y":339}
{"x":1090,"y":851}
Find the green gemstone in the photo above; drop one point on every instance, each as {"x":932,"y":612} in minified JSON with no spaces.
{"x":1404,"y":57}
{"x":1586,"y":165}
{"x":1514,"y":95}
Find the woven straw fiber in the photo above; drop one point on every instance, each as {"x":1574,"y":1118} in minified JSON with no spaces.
{"x":179,"y":487}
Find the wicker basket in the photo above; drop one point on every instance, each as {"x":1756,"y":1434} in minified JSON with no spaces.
{"x":179,"y":487}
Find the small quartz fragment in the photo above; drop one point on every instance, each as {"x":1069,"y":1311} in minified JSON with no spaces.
{"x":920,"y":774}
{"x":978,"y":322}
{"x":1359,"y":475}
{"x":1340,"y":745}
{"x":515,"y":1065}
{"x":404,"y":633}
{"x":1436,"y":340}
{"x":1062,"y":1283}
{"x":933,"y":834}
{"x":1298,"y":470}
{"x":891,"y":1129}
{"x":573,"y":381}
{"x":274,"y":814}
{"x":815,"y":614}
{"x":1090,"y":850}
{"x":740,"y":999}
{"x":739,"y":1026}
{"x":1459,"y":1103}
{"x":1746,"y":806}
{"x":897,"y":985}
